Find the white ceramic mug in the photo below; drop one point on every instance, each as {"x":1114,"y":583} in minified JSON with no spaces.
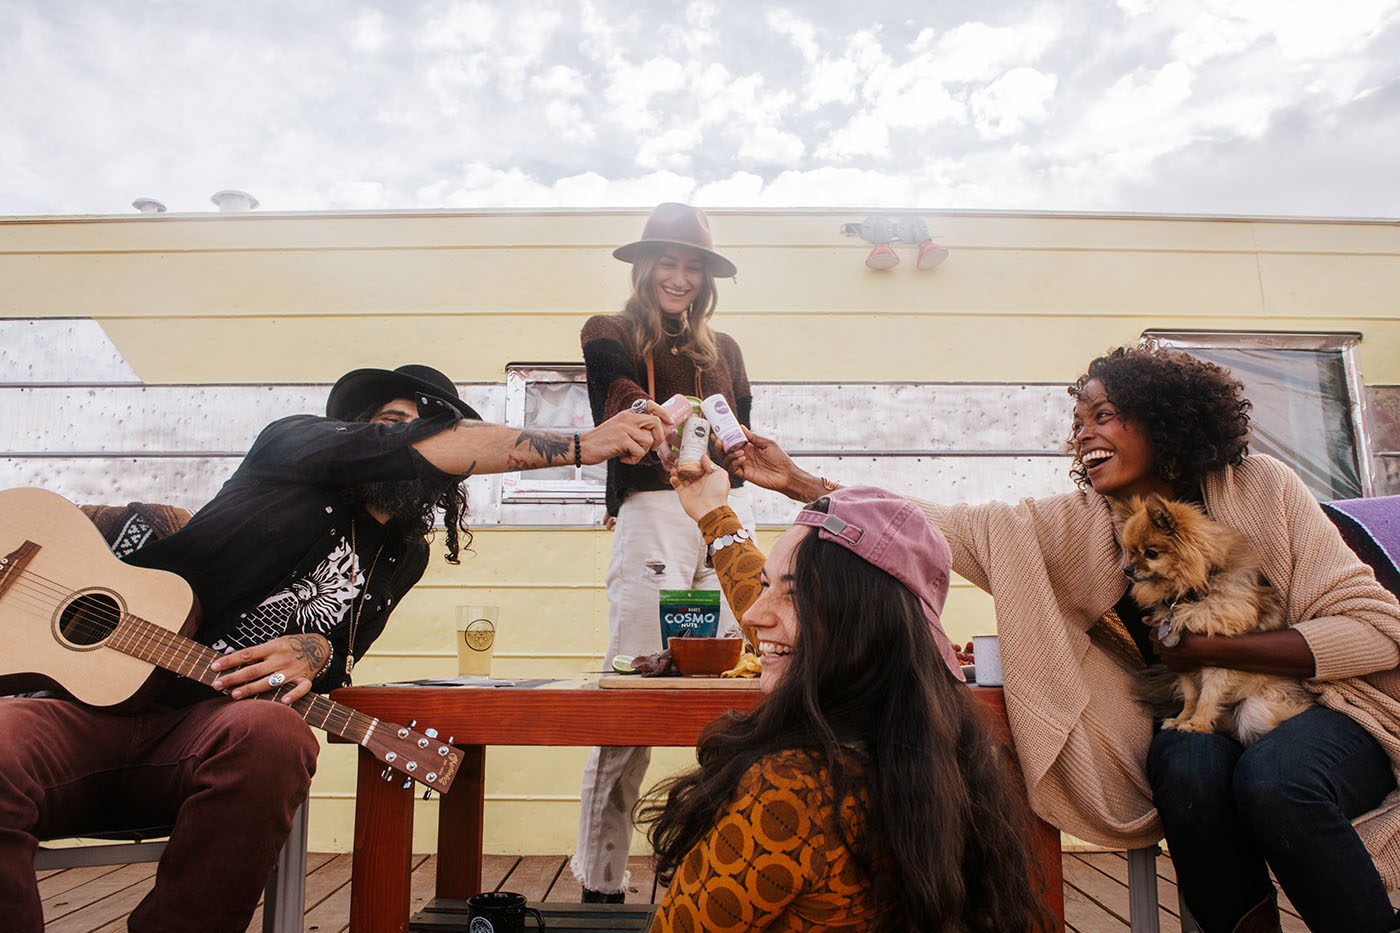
{"x":986,"y":655}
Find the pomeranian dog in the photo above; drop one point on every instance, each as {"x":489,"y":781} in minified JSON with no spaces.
{"x":1193,"y":574}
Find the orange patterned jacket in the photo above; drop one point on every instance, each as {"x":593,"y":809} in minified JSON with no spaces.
{"x":773,"y":860}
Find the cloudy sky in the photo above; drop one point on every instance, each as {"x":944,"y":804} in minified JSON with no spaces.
{"x":1280,"y":107}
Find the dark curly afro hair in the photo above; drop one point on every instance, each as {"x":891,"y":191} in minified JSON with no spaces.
{"x":1194,"y":412}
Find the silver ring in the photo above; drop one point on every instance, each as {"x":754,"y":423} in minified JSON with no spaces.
{"x":276,"y":679}
{"x":639,"y":407}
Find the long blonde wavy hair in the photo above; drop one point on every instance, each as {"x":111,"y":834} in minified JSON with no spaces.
{"x":644,"y":315}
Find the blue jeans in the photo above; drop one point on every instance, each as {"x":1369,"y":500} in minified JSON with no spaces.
{"x":1288,"y":801}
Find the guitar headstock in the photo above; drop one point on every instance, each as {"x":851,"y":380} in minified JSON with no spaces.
{"x":424,"y":757}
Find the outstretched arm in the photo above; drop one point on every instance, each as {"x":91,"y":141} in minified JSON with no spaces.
{"x":762,"y":462}
{"x":473,"y":447}
{"x":739,"y":566}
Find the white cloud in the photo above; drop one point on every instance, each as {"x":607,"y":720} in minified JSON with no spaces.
{"x":476,"y":102}
{"x":978,"y":52}
{"x":864,"y":135}
{"x":366,"y":32}
{"x":630,"y":89}
{"x":569,"y":122}
{"x":559,"y":81}
{"x":670,"y":149}
{"x":1007,"y":105}
{"x":463,"y":26}
{"x":738,"y":189}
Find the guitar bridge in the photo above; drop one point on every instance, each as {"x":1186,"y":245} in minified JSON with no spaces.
{"x":13,"y":564}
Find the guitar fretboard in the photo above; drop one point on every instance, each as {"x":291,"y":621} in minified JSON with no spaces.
{"x":138,"y":638}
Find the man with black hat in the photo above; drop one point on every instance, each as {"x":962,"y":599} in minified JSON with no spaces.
{"x":297,"y":563}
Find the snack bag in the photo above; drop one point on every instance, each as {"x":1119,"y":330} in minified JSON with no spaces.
{"x":689,"y":614}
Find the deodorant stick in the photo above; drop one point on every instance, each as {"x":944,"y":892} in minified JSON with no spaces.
{"x":677,"y":408}
{"x":723,"y":422}
{"x":695,"y":440}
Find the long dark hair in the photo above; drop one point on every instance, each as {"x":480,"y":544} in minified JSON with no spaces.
{"x":944,"y":833}
{"x":414,"y":505}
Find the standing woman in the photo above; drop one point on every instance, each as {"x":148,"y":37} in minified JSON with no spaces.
{"x":660,"y":344}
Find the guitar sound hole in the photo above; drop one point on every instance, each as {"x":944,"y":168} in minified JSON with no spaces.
{"x":89,"y":619}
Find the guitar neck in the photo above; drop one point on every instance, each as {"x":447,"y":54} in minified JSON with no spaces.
{"x":188,"y":658}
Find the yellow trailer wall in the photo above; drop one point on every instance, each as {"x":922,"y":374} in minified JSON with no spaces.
{"x":1023,"y":298}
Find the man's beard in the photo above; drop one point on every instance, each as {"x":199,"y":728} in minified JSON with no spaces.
{"x":405,"y":501}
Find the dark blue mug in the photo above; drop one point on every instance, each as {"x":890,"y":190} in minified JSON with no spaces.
{"x":499,"y":912}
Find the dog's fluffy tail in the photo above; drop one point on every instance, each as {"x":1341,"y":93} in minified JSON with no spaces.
{"x":1155,"y":688}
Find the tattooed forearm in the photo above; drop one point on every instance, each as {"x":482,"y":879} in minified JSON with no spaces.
{"x":547,"y":444}
{"x":311,"y":650}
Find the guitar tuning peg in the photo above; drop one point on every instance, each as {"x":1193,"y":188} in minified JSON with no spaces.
{"x":387,"y":774}
{"x":412,"y":723}
{"x":407,"y":783}
{"x":430,"y":733}
{"x":451,"y":739}
{"x":427,"y":793}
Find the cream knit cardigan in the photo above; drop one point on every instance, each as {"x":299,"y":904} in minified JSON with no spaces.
{"x":1054,"y":569}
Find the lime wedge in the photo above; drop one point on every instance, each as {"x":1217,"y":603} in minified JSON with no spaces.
{"x":623,"y":664}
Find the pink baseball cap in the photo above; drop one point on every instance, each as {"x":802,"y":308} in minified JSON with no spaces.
{"x":890,"y":532}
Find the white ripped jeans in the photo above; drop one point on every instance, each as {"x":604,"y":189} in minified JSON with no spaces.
{"x":656,"y":546}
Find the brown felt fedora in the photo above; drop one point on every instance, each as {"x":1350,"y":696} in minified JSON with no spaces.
{"x":679,"y":225}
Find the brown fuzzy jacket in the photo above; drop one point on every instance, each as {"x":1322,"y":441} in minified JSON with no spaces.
{"x":1053,"y":567}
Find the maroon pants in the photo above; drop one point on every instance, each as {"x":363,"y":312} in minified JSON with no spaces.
{"x":228,"y":774}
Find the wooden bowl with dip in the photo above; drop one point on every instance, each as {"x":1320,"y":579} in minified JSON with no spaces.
{"x":705,"y":657}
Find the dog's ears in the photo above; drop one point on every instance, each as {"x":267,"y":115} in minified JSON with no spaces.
{"x":1160,"y":513}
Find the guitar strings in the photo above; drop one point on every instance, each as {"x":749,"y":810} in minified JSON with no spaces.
{"x":99,"y":611}
{"x":33,"y":588}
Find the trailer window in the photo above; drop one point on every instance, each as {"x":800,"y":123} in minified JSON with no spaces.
{"x":1308,"y":400}
{"x":551,"y":396}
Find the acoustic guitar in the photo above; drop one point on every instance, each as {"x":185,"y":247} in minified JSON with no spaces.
{"x":74,"y":616}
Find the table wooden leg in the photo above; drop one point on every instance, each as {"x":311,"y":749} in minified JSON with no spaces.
{"x":1045,"y":849}
{"x":382,"y":860}
{"x":461,"y":828}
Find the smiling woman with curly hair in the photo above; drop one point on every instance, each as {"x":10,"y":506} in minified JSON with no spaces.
{"x":1194,"y":413}
{"x":1072,"y":639}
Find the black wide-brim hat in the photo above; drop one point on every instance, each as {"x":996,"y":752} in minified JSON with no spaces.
{"x":359,"y":389}
{"x":673,"y":224}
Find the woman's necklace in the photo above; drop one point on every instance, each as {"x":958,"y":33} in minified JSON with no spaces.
{"x":358,"y":604}
{"x":672,"y":337}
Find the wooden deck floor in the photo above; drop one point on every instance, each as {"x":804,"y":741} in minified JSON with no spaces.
{"x":97,"y":900}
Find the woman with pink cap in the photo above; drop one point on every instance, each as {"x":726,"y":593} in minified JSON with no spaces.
{"x":864,"y":792}
{"x":660,"y":345}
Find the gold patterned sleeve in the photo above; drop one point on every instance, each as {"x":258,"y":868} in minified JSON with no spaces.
{"x":739,"y":565}
{"x":770,"y":863}
{"x":745,"y":874}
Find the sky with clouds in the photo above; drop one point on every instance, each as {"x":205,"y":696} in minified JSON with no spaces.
{"x":1274,"y":107}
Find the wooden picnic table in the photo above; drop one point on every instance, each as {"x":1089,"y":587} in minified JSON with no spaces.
{"x":563,"y":713}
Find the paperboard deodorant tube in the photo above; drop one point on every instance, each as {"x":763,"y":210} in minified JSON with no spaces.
{"x":677,"y":408}
{"x":695,"y":440}
{"x":723,"y":422}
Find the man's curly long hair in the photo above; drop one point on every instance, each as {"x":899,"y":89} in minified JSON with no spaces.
{"x":941,"y":837}
{"x":1194,"y":413}
{"x":414,"y":505}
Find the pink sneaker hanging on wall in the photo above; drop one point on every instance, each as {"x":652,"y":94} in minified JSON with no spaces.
{"x":885,"y":230}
